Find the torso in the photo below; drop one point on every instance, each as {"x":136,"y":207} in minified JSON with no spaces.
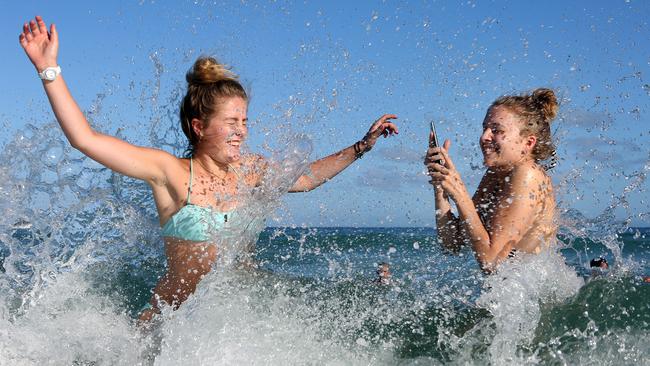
{"x":189,"y":260}
{"x":492,"y":190}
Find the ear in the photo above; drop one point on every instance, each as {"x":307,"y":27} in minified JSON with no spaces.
{"x":531,"y":141}
{"x":197,"y":127}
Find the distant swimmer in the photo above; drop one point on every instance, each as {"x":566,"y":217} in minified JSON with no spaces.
{"x":383,"y":274}
{"x":198,"y":195}
{"x":598,"y":266}
{"x":599,"y":262}
{"x":513,"y":208}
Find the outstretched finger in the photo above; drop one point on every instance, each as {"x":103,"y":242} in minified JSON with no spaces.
{"x":22,"y":40}
{"x":390,"y":127}
{"x":34,"y":27}
{"x":28,"y":34}
{"x":54,"y":35}
{"x":387,"y":116}
{"x":41,"y":24}
{"x":445,"y":155}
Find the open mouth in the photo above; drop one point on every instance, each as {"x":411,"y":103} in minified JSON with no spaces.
{"x":488,"y":150}
{"x":235,"y":143}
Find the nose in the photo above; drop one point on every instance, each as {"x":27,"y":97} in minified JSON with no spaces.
{"x":486,"y":135}
{"x":241,"y":130}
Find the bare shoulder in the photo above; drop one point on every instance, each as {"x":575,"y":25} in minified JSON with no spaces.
{"x":531,"y":179}
{"x":529,"y":174}
{"x":177,"y":171}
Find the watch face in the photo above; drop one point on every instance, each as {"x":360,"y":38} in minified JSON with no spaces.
{"x":50,"y":74}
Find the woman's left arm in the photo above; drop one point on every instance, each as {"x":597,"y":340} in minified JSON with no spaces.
{"x":322,"y":170}
{"x":512,"y":217}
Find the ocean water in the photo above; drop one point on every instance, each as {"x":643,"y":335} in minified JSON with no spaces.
{"x":81,"y":251}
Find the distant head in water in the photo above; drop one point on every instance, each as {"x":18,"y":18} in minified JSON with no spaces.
{"x":383,"y":274}
{"x":600,"y":263}
{"x":517,"y":129}
{"x":214,"y":111}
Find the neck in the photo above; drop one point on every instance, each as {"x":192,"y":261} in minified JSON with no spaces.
{"x":503,"y":170}
{"x":211,"y":165}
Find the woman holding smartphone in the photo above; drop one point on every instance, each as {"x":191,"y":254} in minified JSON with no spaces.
{"x":513,"y":209}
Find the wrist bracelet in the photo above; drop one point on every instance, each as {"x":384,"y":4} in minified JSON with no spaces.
{"x":358,"y":153}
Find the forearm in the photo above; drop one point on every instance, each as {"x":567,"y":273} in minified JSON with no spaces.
{"x":322,"y":170}
{"x":447,"y":224}
{"x":74,"y":124}
{"x":474,"y":232}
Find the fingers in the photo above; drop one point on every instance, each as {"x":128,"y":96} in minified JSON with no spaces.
{"x":54,"y":35}
{"x":434,"y":154}
{"x":387,"y":116}
{"x":445,"y":155}
{"x":446,"y":144}
{"x":433,"y":167}
{"x":34,"y":27}
{"x":383,"y":126}
{"x":389,"y":128}
{"x":42,"y":28}
{"x":27,"y":33}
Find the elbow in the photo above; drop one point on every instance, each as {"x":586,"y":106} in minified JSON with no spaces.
{"x":301,"y":189}
{"x":82,"y":142}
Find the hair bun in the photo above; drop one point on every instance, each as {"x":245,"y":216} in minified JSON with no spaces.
{"x":207,"y":70}
{"x":547,"y":102}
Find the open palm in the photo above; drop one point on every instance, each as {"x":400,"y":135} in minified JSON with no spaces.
{"x":40,"y":46}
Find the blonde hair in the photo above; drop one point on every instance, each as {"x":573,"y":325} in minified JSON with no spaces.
{"x":536,"y":111}
{"x":208,"y":84}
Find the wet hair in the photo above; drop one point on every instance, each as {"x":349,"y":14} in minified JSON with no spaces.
{"x":597,"y":262}
{"x":209,"y":83}
{"x":536,"y":111}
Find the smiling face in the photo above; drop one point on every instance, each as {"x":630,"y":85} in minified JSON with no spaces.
{"x":501,"y":141}
{"x":224,"y":133}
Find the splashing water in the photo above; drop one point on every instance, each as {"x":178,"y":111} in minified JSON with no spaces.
{"x":80,"y":247}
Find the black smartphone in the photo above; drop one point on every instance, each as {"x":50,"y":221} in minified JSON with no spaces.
{"x":434,"y":141}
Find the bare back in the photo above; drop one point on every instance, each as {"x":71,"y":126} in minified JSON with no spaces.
{"x":529,"y":191}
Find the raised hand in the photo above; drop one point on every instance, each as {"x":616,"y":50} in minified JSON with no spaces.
{"x":444,"y":175}
{"x":382,"y":126}
{"x":40,"y":45}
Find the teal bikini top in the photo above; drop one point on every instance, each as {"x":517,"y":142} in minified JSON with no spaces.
{"x":196,"y":223}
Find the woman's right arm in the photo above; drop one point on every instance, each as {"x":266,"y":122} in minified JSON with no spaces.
{"x":142,"y":163}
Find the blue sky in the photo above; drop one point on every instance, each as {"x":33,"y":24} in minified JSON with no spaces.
{"x":328,"y":69}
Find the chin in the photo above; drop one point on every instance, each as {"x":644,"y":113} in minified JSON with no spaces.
{"x":488,"y":163}
{"x":234,"y":157}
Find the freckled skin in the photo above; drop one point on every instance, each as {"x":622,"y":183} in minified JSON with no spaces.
{"x":495,"y":191}
{"x":216,"y":157}
{"x":514,"y":205}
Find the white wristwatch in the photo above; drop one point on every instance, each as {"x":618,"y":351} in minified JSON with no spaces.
{"x":50,"y":73}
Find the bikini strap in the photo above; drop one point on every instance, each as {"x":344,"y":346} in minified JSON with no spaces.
{"x":189,"y":188}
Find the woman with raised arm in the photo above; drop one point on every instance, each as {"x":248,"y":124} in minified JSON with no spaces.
{"x":195,"y":195}
{"x":513,"y":208}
